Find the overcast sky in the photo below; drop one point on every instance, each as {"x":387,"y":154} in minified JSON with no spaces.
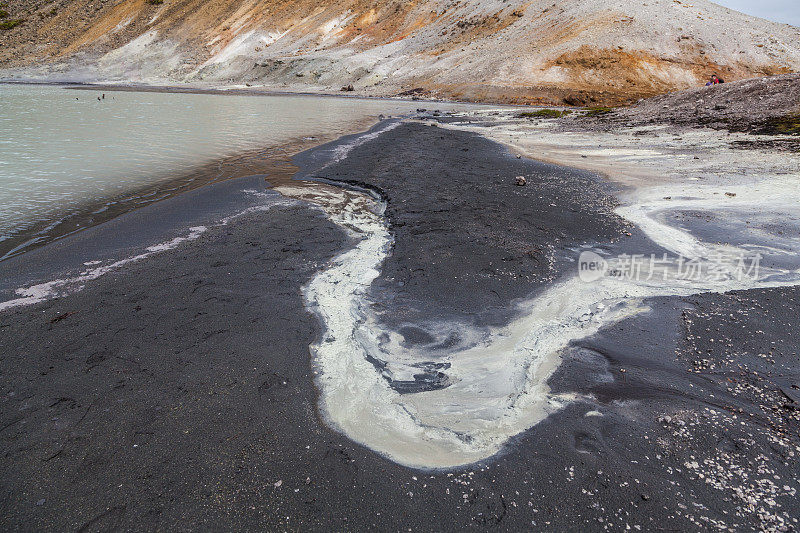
{"x":787,"y":11}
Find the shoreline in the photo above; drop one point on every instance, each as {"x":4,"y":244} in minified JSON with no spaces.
{"x":262,"y":160}
{"x":253,"y":91}
{"x":274,"y":160}
{"x":220,"y":390}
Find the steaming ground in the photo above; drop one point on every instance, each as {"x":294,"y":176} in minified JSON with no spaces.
{"x":676,"y":411}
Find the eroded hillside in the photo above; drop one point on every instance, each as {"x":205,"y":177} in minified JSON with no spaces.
{"x":509,"y":51}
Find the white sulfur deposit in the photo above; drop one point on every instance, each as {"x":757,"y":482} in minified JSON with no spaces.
{"x":499,"y":384}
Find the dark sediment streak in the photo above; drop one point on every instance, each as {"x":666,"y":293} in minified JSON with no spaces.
{"x":178,"y":393}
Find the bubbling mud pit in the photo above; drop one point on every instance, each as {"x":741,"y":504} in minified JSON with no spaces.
{"x":497,"y":386}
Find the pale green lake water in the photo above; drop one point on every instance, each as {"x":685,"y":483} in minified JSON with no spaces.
{"x":62,"y":149}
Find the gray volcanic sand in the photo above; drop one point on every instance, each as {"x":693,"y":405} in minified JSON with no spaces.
{"x":178,"y":393}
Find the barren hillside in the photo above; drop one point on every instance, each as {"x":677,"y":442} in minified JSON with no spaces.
{"x":764,"y":105}
{"x":577,"y":52}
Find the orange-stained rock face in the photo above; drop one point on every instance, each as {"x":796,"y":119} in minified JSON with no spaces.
{"x":541,"y":51}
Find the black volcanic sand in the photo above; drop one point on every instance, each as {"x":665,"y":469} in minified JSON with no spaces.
{"x":467,"y":240}
{"x":177,"y":393}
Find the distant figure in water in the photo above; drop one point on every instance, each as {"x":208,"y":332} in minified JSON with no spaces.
{"x":715,"y":80}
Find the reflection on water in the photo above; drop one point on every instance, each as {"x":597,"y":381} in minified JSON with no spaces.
{"x":62,"y":149}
